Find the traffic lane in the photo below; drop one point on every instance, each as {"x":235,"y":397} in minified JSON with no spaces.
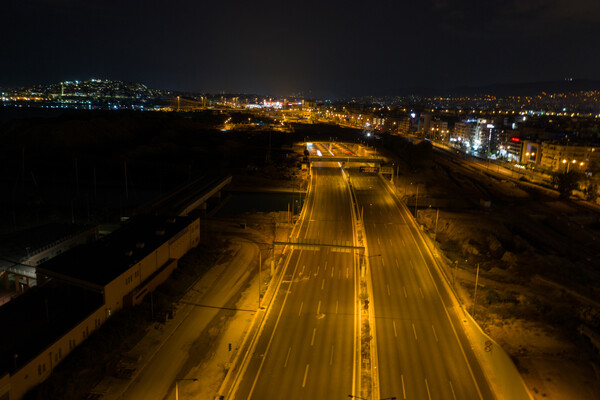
{"x":404,"y":317}
{"x":247,"y":378}
{"x":404,"y":327}
{"x":424,"y":303}
{"x":300,"y":337}
{"x":312,"y":321}
{"x":432,"y":309}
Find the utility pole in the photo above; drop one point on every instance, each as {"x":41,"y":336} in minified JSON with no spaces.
{"x":76,"y":179}
{"x":126,"y":188}
{"x":416,"y":201}
{"x":475,"y":294}
{"x":437,"y":215}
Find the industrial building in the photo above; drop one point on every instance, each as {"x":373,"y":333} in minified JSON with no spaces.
{"x":79,"y":289}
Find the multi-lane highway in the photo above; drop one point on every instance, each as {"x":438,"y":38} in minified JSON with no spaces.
{"x":308,"y":342}
{"x":422,"y":351}
{"x":307,"y":345}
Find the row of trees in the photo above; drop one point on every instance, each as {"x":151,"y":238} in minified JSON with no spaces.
{"x":566,"y":182}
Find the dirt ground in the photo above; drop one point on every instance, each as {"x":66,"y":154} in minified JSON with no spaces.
{"x":539,"y":280}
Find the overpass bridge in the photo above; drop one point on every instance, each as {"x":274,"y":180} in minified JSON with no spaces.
{"x":346,"y":159}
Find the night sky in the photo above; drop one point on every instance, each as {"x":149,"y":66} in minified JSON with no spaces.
{"x":323,"y":48}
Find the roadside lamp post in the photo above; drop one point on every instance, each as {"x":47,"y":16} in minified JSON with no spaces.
{"x":416,"y":201}
{"x":475,"y":294}
{"x":177,"y":385}
{"x":259,"y":275}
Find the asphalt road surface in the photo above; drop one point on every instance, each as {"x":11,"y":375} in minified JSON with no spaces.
{"x":422,"y":351}
{"x":306,"y":348}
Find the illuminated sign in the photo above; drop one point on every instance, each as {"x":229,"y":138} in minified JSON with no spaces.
{"x":515,"y":139}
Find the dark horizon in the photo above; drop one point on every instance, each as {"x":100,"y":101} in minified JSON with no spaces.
{"x":327,"y":50}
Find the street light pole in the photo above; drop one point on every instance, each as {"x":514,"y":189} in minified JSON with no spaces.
{"x":475,"y":294}
{"x":437,"y":215}
{"x":416,"y":201}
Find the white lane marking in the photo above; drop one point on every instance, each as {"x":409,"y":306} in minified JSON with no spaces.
{"x":336,"y":306}
{"x":391,"y":243}
{"x":403,"y":388}
{"x":388,"y":288}
{"x":378,"y":241}
{"x":405,"y":295}
{"x":302,"y":272}
{"x":462,"y":350}
{"x":415,"y":331}
{"x":346,"y":273}
{"x":332,"y":268}
{"x":287,"y":357}
{"x":312,"y":341}
{"x":403,"y":243}
{"x":317,"y":270}
{"x":420,"y":290}
{"x":412,"y":264}
{"x":427,"y":385}
{"x":397,"y":265}
{"x":395,"y":333}
{"x":434,"y":334}
{"x":323,"y":285}
{"x":319,"y":307}
{"x":305,"y":375}
{"x":452,"y":389}
{"x":325,"y":265}
{"x":382,"y":262}
{"x":301,"y":304}
{"x":331,"y":356}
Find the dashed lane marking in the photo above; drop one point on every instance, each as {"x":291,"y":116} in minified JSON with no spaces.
{"x":452,"y":389}
{"x":305,"y":375}
{"x":403,"y":388}
{"x":287,"y":357}
{"x":427,"y":386}
{"x":331,"y":356}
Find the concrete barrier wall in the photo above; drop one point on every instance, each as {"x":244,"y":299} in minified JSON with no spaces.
{"x":497,"y":365}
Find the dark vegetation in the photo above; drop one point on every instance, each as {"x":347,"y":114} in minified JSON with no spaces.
{"x":89,"y":166}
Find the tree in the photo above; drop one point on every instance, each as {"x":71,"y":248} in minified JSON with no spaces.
{"x":591,"y":192}
{"x":566,"y":183}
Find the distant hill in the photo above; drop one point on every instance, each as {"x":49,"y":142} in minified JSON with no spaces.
{"x":528,"y":88}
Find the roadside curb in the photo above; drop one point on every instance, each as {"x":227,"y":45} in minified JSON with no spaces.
{"x":479,"y":346}
{"x":238,"y":364}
